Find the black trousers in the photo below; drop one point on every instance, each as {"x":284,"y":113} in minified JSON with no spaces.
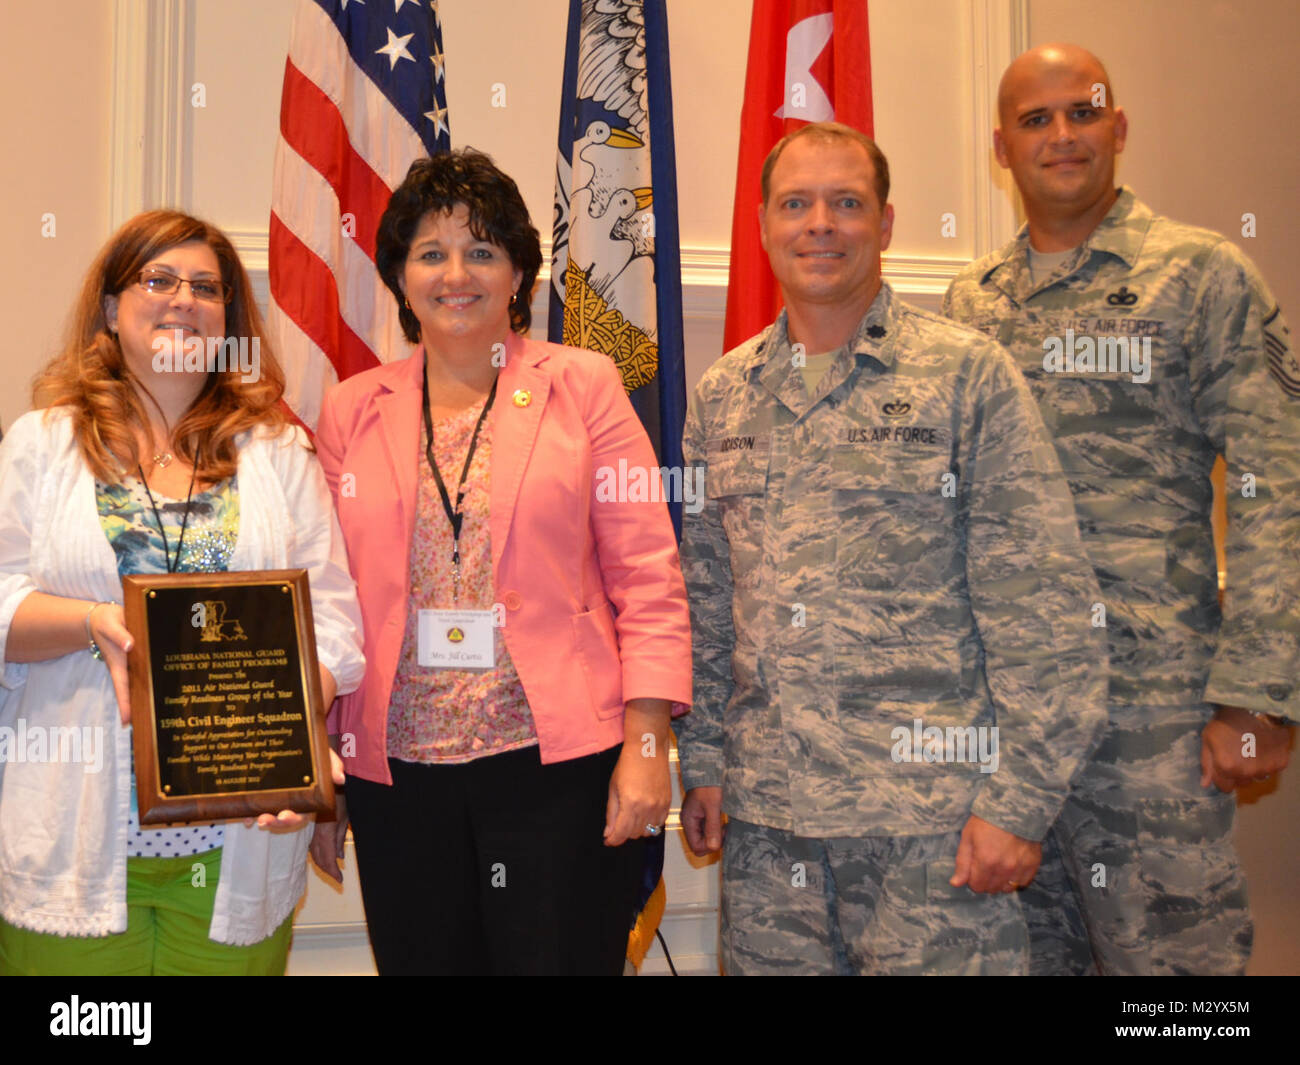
{"x":495,"y":866}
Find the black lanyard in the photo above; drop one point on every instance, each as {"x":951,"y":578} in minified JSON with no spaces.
{"x":172,"y":567}
{"x":454,"y":514}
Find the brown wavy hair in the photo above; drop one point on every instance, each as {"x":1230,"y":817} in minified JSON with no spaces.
{"x":90,"y":376}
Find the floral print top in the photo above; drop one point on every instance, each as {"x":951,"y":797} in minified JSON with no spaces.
{"x":128,"y":521}
{"x":454,"y":715}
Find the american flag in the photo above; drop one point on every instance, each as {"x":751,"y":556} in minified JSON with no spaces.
{"x":364,"y":96}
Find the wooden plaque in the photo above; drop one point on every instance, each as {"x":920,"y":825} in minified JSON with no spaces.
{"x":226,"y":701}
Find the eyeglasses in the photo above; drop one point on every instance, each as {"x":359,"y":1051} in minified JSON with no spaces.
{"x":161,"y":283}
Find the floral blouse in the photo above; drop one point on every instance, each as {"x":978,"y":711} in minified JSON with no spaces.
{"x":454,"y":715}
{"x":128,"y":520}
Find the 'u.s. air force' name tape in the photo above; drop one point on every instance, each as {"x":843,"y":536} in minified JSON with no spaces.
{"x":897,"y":434}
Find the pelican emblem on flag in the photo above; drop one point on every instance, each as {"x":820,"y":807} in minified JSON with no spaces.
{"x":603,"y":264}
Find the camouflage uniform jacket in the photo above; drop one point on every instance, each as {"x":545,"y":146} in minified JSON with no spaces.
{"x":900,"y":547}
{"x":1224,"y":379}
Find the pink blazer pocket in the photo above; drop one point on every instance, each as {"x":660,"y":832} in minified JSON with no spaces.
{"x":597,"y":647}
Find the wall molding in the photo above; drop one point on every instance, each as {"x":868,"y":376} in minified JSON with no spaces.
{"x":704,"y":274}
{"x":999,"y":33}
{"x":150,"y":129}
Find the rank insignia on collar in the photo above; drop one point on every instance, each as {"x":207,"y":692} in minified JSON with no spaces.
{"x":1122,"y":298}
{"x":876,"y":331}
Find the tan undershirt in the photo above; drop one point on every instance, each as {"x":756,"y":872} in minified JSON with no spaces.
{"x":815,"y":367}
{"x":1042,"y":264}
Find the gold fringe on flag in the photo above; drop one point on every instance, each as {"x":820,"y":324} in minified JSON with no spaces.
{"x":642,"y":936}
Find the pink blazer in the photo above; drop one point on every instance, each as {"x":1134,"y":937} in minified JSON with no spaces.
{"x":595,"y":606}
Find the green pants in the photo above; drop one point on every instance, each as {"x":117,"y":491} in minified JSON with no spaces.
{"x":169,"y":910}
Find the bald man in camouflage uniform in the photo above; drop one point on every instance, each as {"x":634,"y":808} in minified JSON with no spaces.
{"x":1200,"y":701}
{"x":895,"y":668}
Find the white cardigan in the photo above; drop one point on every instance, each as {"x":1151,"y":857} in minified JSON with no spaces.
{"x":63,"y":829}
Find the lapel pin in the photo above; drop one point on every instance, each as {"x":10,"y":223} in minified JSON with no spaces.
{"x":522,"y":397}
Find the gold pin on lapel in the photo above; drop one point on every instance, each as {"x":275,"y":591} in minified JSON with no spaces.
{"x":522,"y":397}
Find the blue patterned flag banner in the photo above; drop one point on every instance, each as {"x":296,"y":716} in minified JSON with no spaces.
{"x":616,"y":283}
{"x":616,"y":261}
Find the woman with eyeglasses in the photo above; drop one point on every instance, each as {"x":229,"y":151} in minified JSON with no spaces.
{"x":153,"y":454}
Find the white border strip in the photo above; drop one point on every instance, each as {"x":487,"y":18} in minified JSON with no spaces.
{"x":150,"y":115}
{"x":999,"y":33}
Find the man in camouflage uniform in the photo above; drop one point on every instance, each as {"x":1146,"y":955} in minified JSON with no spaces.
{"x":1200,"y":701}
{"x":886,"y":574}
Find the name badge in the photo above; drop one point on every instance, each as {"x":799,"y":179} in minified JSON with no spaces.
{"x":457,"y":639}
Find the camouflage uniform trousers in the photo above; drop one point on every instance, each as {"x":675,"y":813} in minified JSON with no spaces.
{"x":882,"y":905}
{"x":1173,"y":899}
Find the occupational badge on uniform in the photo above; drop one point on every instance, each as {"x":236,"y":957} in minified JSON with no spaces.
{"x":1122,"y":298}
{"x":1282,"y":361}
{"x":895,"y":409}
{"x":522,"y":397}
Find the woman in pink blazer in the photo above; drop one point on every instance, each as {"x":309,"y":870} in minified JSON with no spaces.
{"x":526,"y":637}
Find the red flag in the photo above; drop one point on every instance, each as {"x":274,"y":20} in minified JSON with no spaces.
{"x":809,"y":61}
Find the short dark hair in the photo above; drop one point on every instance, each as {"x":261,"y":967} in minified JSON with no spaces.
{"x":831,"y":131}
{"x":497,"y":214}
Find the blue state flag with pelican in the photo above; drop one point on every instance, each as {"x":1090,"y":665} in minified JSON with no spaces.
{"x":616,"y":281}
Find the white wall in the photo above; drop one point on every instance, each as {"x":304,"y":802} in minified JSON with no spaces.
{"x":54,"y":84}
{"x":1208,"y":85}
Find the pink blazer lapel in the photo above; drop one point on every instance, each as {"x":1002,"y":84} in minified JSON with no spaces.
{"x":516,"y":415}
{"x":399,"y":414}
